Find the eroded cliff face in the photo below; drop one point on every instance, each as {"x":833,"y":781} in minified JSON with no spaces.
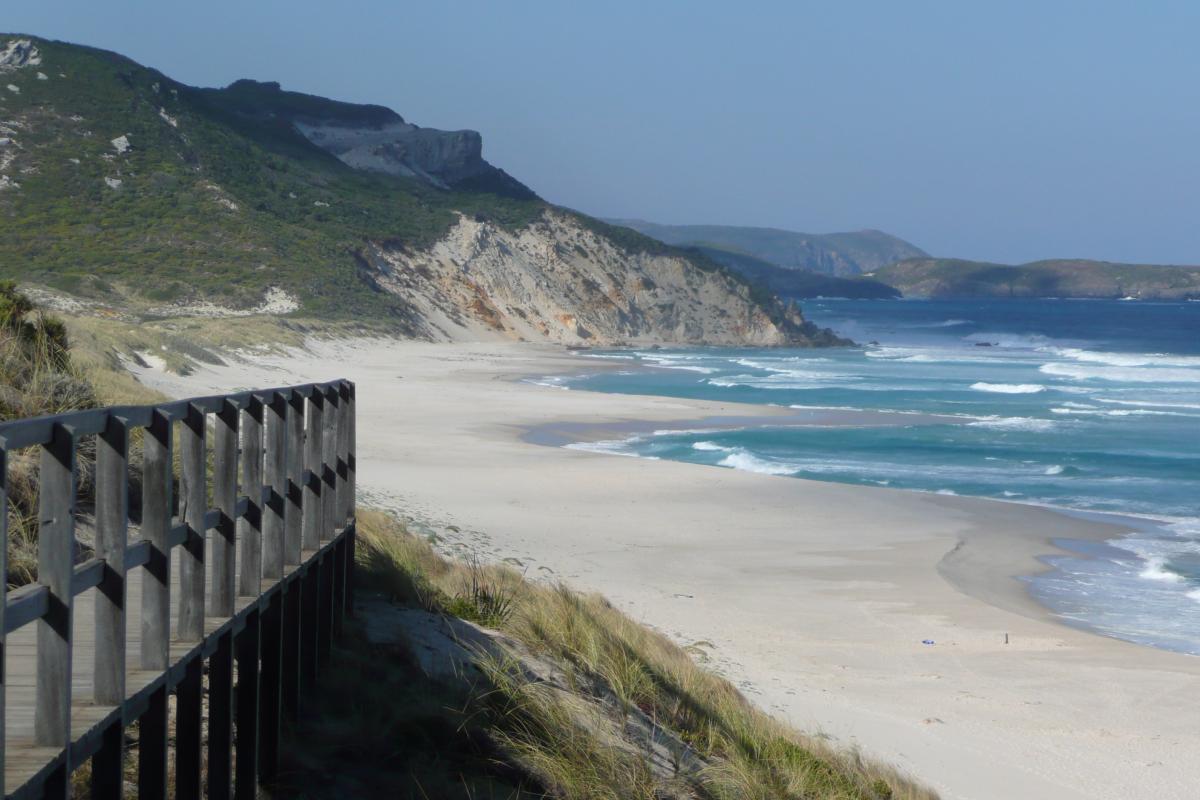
{"x":556,"y":280}
{"x":443,"y":158}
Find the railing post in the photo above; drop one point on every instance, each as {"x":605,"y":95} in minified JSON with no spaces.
{"x":270,"y":689}
{"x":275,"y":476}
{"x":224,"y":543}
{"x":156,"y":526}
{"x":189,"y":701}
{"x":325,"y":606}
{"x":3,"y":603}
{"x":56,"y":545}
{"x":292,"y":647}
{"x":310,"y":534}
{"x":352,"y":449}
{"x":294,"y":493}
{"x":152,"y":746}
{"x":351,"y":468}
{"x":220,"y":718}
{"x":343,"y":454}
{"x":195,"y":507}
{"x":112,"y":523}
{"x":329,"y":457}
{"x":246,"y":647}
{"x":108,"y":764}
{"x":250,"y":526}
{"x":310,"y":611}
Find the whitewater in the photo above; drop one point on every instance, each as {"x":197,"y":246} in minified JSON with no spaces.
{"x":1090,"y":406}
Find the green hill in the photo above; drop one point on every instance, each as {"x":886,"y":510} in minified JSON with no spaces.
{"x":947,"y":277}
{"x":199,"y":198}
{"x":797,"y":283}
{"x":841,"y":254}
{"x":130,"y":190}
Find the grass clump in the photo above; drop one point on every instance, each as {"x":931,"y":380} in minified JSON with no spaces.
{"x":595,"y":705}
{"x":487,"y":598}
{"x":37,"y":377}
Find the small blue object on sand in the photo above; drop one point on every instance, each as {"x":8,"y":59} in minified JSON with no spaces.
{"x":927,"y":641}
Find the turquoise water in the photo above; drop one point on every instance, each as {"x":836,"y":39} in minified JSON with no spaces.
{"x":1087,"y":405}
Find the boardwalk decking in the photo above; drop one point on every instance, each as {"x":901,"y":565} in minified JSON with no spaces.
{"x":253,"y":587}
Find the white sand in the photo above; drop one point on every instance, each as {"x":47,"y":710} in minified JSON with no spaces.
{"x":813,"y":597}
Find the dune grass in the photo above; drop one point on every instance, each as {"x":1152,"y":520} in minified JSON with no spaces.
{"x":37,"y":376}
{"x":555,"y":736}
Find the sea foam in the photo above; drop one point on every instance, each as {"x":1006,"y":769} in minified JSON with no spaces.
{"x":1008,"y":388}
{"x":740,"y":459}
{"x":1014,"y":424}
{"x":1122,"y":374}
{"x":1156,"y":570}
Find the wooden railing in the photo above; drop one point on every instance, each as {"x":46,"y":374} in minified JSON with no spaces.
{"x":256,"y":585}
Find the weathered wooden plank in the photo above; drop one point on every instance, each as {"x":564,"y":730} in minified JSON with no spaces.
{"x":194,"y":488}
{"x":250,"y":526}
{"x":329,"y":457}
{"x":270,"y":690}
{"x":56,"y":543}
{"x":309,"y":613}
{"x":224,"y":545}
{"x":313,"y":515}
{"x":112,"y":521}
{"x":108,"y":779}
{"x":291,"y":647}
{"x":275,"y":478}
{"x":3,"y":608}
{"x":247,"y":646}
{"x":325,"y":608}
{"x":220,"y":719}
{"x":293,"y":514}
{"x":343,"y":454}
{"x":152,"y":747}
{"x":188,"y":732}
{"x":351,"y":449}
{"x":156,"y":525}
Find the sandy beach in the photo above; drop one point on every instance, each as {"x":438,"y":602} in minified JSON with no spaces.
{"x":813,"y":597}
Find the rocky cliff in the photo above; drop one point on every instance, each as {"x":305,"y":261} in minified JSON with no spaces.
{"x":372,"y":138}
{"x":558,"y":280}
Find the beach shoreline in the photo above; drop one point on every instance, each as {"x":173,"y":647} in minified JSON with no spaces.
{"x":814,"y":597}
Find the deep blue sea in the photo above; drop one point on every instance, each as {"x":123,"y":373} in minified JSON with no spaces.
{"x":1086,"y":405}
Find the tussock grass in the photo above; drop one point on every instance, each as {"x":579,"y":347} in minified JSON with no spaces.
{"x":37,"y":377}
{"x":571,"y":733}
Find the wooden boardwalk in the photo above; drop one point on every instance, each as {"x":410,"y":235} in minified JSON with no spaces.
{"x":251,"y":589}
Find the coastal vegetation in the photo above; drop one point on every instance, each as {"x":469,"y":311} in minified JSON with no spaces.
{"x":130,"y":193}
{"x":1076,"y":278}
{"x":37,"y":377}
{"x":548,"y":693}
{"x":796,"y":283}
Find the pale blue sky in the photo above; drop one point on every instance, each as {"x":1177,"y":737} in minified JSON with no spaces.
{"x":1003,"y":130}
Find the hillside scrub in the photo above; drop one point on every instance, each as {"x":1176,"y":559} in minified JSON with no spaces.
{"x":586,"y":703}
{"x":250,"y":215}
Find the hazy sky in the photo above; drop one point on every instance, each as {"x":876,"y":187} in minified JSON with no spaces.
{"x":1002,"y":130}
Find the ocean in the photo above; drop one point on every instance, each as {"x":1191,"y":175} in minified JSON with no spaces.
{"x":1091,"y":406}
